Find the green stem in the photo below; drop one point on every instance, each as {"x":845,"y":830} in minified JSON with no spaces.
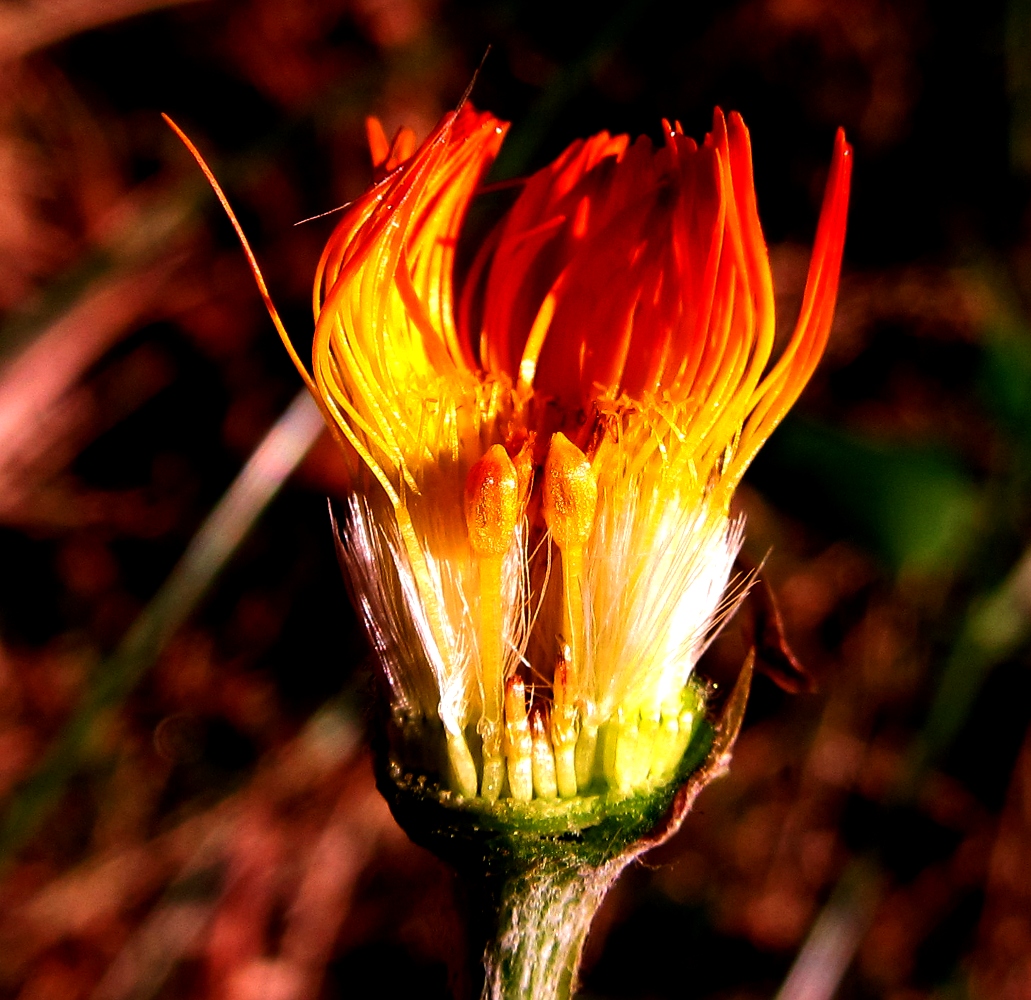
{"x":543,"y":916}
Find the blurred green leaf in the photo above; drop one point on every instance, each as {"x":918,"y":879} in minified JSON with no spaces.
{"x":1005,"y":376}
{"x":914,"y":506}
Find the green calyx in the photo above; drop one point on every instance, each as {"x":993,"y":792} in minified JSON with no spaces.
{"x":534,"y":872}
{"x":508,"y":835}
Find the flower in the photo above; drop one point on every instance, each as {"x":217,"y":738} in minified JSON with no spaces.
{"x":539,"y":534}
{"x":540,"y":538}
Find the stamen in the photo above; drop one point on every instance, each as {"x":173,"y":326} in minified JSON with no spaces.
{"x":544,"y":781}
{"x":570,"y":498}
{"x":627,"y":745}
{"x":678,"y":726}
{"x":462,"y":764}
{"x":665,"y":741}
{"x":563,"y":728}
{"x":690,"y":713}
{"x":647,"y":731}
{"x":587,"y":742}
{"x":610,"y":731}
{"x":491,"y":513}
{"x":493,"y":761}
{"x":519,"y":747}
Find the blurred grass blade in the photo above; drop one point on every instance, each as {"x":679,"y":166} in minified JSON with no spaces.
{"x":995,"y":628}
{"x":154,"y":232}
{"x":276,"y":457}
{"x":25,"y":27}
{"x":834,"y":938}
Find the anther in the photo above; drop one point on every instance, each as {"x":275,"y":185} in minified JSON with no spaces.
{"x":523,"y":462}
{"x":570,"y":494}
{"x":569,"y":500}
{"x":492,"y":502}
{"x":491,"y":513}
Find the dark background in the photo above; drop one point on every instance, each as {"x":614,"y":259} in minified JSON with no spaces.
{"x":191,"y":813}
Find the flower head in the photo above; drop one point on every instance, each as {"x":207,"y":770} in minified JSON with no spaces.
{"x":539,"y":534}
{"x":540,"y":539}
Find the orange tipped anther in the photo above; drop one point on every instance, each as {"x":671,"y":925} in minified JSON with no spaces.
{"x":570,"y":493}
{"x":492,"y":502}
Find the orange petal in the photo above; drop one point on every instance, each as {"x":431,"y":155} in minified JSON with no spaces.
{"x":782,"y":386}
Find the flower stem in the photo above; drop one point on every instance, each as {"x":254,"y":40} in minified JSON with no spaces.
{"x":543,"y":916}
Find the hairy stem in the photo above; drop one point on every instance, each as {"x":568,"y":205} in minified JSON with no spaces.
{"x":543,"y":916}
